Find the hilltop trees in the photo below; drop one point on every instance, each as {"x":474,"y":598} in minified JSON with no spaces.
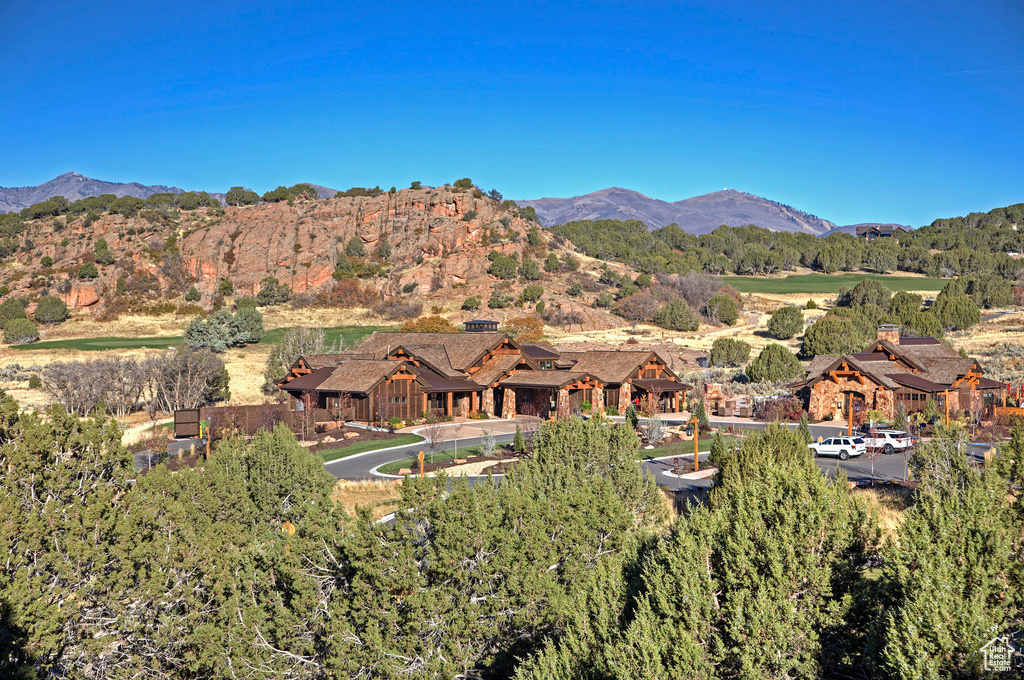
{"x":242,"y":196}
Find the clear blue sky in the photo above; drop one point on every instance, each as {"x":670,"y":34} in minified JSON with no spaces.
{"x":897,"y":110}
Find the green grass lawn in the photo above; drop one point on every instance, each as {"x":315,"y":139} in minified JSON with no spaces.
{"x":362,"y":447}
{"x":681,"y":448}
{"x":439,"y":457}
{"x":828,"y":283}
{"x":349,"y":335}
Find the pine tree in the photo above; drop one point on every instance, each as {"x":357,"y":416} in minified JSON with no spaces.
{"x":805,"y":429}
{"x":518,"y":442}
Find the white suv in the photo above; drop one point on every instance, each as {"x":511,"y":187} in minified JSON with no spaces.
{"x":844,"y":447}
{"x":889,"y":441}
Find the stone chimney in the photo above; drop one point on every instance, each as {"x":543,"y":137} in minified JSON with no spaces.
{"x":890,"y":332}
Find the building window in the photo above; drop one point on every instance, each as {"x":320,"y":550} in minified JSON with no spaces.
{"x":399,"y":400}
{"x":547,"y":365}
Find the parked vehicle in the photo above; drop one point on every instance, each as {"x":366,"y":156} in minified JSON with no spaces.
{"x":889,"y":441}
{"x":844,"y":447}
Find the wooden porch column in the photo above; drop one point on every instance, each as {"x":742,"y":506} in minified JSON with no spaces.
{"x":424,"y":402}
{"x":450,"y":413}
{"x":472,"y":402}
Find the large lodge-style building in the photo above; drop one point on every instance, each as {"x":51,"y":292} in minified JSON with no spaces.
{"x":407,"y":375}
{"x":892,"y":371}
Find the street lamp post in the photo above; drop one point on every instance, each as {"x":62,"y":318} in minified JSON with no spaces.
{"x":696,"y":434}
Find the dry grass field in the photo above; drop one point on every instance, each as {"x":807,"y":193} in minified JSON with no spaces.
{"x":381,"y":497}
{"x":889,"y":505}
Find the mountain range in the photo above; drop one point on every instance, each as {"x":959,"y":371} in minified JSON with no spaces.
{"x":74,"y":186}
{"x":697,"y":215}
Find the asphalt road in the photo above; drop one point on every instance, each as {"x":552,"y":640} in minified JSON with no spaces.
{"x":859,"y":469}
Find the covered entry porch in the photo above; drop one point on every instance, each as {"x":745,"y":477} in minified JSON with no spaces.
{"x":667,"y":396}
{"x":547,"y":394}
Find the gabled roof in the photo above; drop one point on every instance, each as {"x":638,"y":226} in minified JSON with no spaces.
{"x":538,"y":350}
{"x":359,"y":375}
{"x":310,"y":381}
{"x":496,"y":367}
{"x":921,"y":363}
{"x":614,"y":366}
{"x":434,"y":356}
{"x":435,"y":382}
{"x":463,"y":349}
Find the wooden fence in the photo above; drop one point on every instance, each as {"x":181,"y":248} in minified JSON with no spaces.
{"x":244,"y":419}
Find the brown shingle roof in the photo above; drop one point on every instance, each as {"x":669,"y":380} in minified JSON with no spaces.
{"x":539,"y":350}
{"x":611,"y":366}
{"x":359,"y":375}
{"x":435,"y":356}
{"x":463,"y":349}
{"x":495,"y":368}
{"x":947,"y":371}
{"x":309,"y":381}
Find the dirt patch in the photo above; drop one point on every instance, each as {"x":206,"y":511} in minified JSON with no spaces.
{"x":474,"y":465}
{"x":346,"y":436}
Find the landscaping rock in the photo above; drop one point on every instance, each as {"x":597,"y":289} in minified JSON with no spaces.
{"x":350,"y":435}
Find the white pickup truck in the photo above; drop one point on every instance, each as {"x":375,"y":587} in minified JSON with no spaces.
{"x":889,"y":441}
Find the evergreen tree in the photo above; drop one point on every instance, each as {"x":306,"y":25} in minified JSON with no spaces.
{"x":952,"y":581}
{"x":677,"y":316}
{"x":51,"y":309}
{"x":518,"y":442}
{"x":785,"y":323}
{"x":775,"y":363}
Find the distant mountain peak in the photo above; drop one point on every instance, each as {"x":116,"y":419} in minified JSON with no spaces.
{"x":698,"y":215}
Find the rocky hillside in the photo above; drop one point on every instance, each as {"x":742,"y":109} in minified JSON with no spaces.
{"x":439,"y":242}
{"x":697,"y":215}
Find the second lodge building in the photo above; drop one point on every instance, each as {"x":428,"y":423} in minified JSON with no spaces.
{"x":405,"y":375}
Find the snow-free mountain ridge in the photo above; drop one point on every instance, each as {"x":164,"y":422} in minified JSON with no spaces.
{"x":697,"y":215}
{"x":74,"y":186}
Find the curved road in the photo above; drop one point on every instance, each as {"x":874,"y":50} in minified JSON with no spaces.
{"x":360,"y":466}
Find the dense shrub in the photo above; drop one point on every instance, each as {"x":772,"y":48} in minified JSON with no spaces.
{"x":530,"y":270}
{"x":532,"y":293}
{"x":345,"y":294}
{"x":355,"y":248}
{"x":396,"y":308}
{"x":551,"y":263}
{"x":785,"y":323}
{"x":953,"y":309}
{"x":20,"y":332}
{"x":777,"y":410}
{"x":867,"y":292}
{"x":729,"y":352}
{"x":499,"y":300}
{"x":721,"y":308}
{"x":12,"y":308}
{"x":831,"y":335}
{"x":639,"y":308}
{"x":677,"y":316}
{"x":51,"y":309}
{"x":429,"y":324}
{"x":410,"y":287}
{"x":775,"y":363}
{"x":87,"y":270}
{"x":502,"y":266}
{"x":272,"y":292}
{"x":192,"y":295}
{"x":471,"y":303}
